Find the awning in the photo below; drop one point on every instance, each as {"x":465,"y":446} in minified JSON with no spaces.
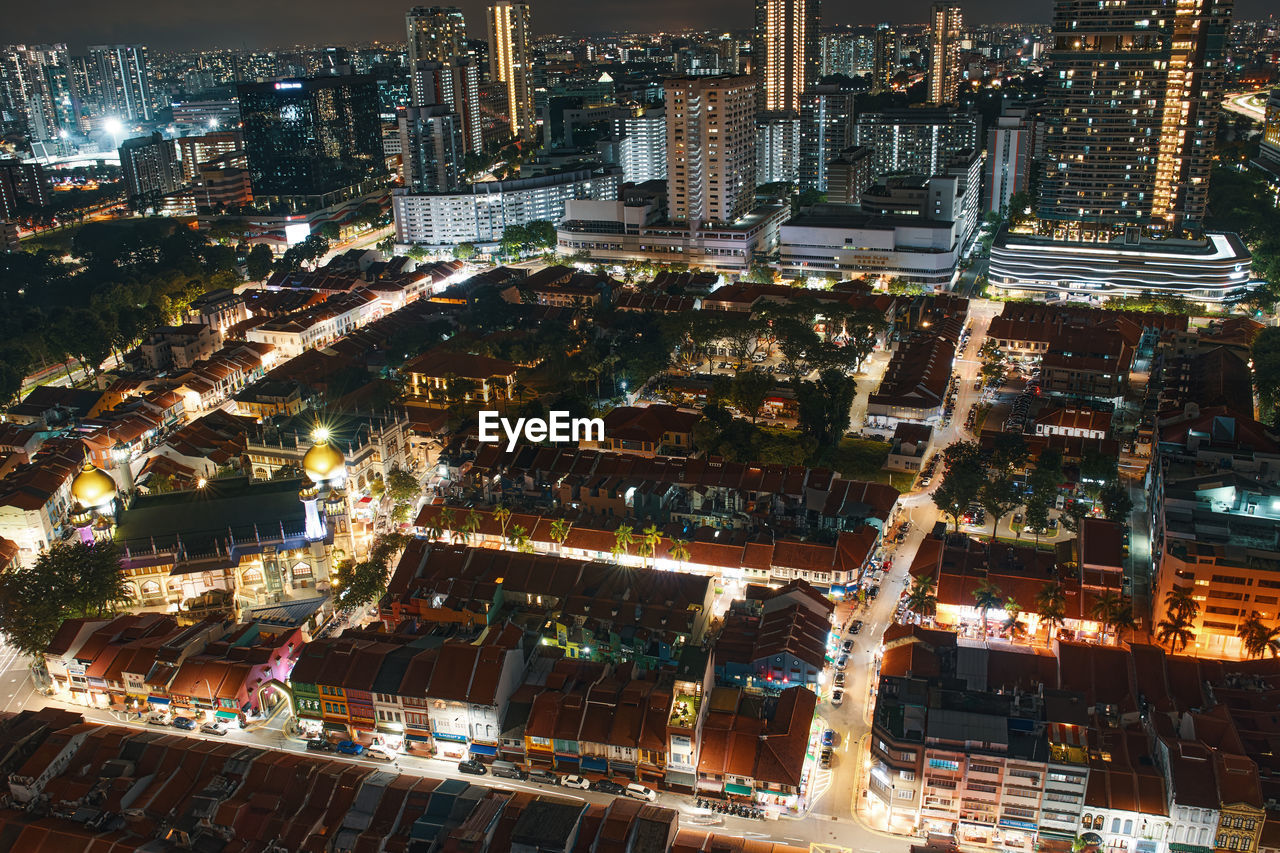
{"x":595,"y":765}
{"x":227,"y":715}
{"x":740,"y":790}
{"x":334,"y":727}
{"x":158,"y":700}
{"x":450,"y":737}
{"x":484,"y":749}
{"x":419,"y":738}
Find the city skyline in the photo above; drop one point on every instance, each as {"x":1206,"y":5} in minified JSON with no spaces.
{"x":183,"y":28}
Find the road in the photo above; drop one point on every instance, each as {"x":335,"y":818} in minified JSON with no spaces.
{"x":1249,"y":104}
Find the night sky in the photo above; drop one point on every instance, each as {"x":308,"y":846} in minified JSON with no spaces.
{"x":164,"y":24}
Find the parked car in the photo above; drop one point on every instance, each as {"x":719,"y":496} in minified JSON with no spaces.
{"x":349,"y":747}
{"x":380,"y":753}
{"x":319,"y":745}
{"x":846,"y":646}
{"x":156,"y":719}
{"x":855,"y":626}
{"x":572,"y":781}
{"x":185,"y":723}
{"x":840,"y":679}
{"x":507,"y":770}
{"x":472,"y":767}
{"x":828,"y":738}
{"x":543,"y":777}
{"x":873,"y":592}
{"x":837,"y":696}
{"x":213,"y":729}
{"x":607,"y":786}
{"x":640,"y":792}
{"x":824,"y":760}
{"x":842,"y":662}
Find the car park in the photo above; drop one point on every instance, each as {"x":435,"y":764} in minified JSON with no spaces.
{"x":575,"y":781}
{"x":640,"y":792}
{"x":185,"y":723}
{"x":349,"y":747}
{"x":608,"y":786}
{"x":472,"y":767}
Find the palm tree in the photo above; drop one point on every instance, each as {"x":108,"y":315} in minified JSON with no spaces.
{"x":623,"y":538}
{"x":1175,"y":630}
{"x":502,"y":515}
{"x":1104,"y":610}
{"x":986,"y":595}
{"x":1122,"y":620}
{"x":1051,"y":605}
{"x":519,"y":539}
{"x":1258,"y":639}
{"x":445,"y":521}
{"x":1178,"y":600}
{"x":652,"y":538}
{"x":679,"y":550}
{"x":1012,"y":619}
{"x":559,"y":532}
{"x":472,"y":524}
{"x":922,"y":598}
{"x":435,"y":529}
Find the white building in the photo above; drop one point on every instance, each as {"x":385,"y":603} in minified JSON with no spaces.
{"x":777,"y":148}
{"x":482,"y":213}
{"x":642,"y":146}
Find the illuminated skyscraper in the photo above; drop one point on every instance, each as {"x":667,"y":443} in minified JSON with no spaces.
{"x":786,"y":51}
{"x":1133,"y":105}
{"x":946,"y":26}
{"x":885,"y":58}
{"x":434,"y":34}
{"x":456,"y":84}
{"x":125,"y":84}
{"x":509,"y":61}
{"x":711,"y":148}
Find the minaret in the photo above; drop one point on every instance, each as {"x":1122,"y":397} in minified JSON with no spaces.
{"x":326,"y":467}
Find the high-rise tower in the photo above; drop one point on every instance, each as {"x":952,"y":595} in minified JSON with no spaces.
{"x":945,"y":28}
{"x":509,"y":61}
{"x":433,"y":34}
{"x":711,"y":148}
{"x":786,"y":51}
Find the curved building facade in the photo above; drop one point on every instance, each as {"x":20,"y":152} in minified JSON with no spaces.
{"x":1212,"y":269}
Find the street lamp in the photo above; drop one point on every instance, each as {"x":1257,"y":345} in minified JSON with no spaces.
{"x":113,"y":126}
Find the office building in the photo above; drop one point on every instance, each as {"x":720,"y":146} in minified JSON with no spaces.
{"x":21,"y":182}
{"x":314,"y":142}
{"x":435,"y":34}
{"x":1009,"y":155}
{"x":849,"y":175}
{"x":431,"y":149}
{"x":786,"y":52}
{"x":150,"y":168}
{"x":642,"y":146}
{"x":826,"y":128}
{"x":193,"y":151}
{"x":777,"y":147}
{"x":945,"y":30}
{"x":1133,"y":107}
{"x":123,"y":81}
{"x":885,"y":59}
{"x":917,"y":141}
{"x":483,"y":211}
{"x":200,"y":116}
{"x":455,"y":83}
{"x":509,"y":62}
{"x":711,"y":150}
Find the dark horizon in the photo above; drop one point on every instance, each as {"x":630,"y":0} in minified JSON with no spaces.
{"x":243,"y":24}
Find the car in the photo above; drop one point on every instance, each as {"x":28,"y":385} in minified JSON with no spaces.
{"x":319,"y":745}
{"x":924,"y":481}
{"x":608,"y":786}
{"x":855,"y":626}
{"x":213,"y":729}
{"x":472,"y":767}
{"x":824,"y":758}
{"x":185,"y":723}
{"x":839,"y":679}
{"x":837,"y":696}
{"x":573,"y":781}
{"x":155,"y":719}
{"x":842,"y":662}
{"x":350,"y":747}
{"x":541,"y":776}
{"x":640,"y":792}
{"x":846,"y":646}
{"x":1017,"y":518}
{"x":874,"y":591}
{"x":828,"y":738}
{"x":379,"y":753}
{"x":1053,"y":524}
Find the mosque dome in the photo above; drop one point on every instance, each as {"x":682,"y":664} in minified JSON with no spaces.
{"x":322,"y":461}
{"x":93,"y":487}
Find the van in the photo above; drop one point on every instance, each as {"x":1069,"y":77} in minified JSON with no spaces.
{"x":640,"y":792}
{"x":546,"y":777}
{"x":506,"y":770}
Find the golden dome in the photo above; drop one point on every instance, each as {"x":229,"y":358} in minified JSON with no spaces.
{"x":322,"y":461}
{"x":93,"y":487}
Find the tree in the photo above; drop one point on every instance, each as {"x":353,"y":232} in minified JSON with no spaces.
{"x":1051,"y":605}
{"x":502,"y":514}
{"x":623,"y":538}
{"x":559,"y":532}
{"x":922,"y":597}
{"x":1037,"y":516}
{"x":1258,"y":639}
{"x":1180,"y":602}
{"x":1265,"y":355}
{"x":999,"y":496}
{"x":986,"y":596}
{"x":749,"y":391}
{"x":1175,"y":631}
{"x":824,"y":409}
{"x":70,"y":580}
{"x":471,"y":524}
{"x":542,"y":234}
{"x":1116,"y":503}
{"x":994,"y":363}
{"x":679,"y":550}
{"x":962,"y":480}
{"x":1012,"y":619}
{"x":518,"y":538}
{"x":1105,"y":609}
{"x":330,"y":231}
{"x":465,"y":251}
{"x":649,"y":541}
{"x":362,"y":583}
{"x":401,"y":486}
{"x":258,"y":262}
